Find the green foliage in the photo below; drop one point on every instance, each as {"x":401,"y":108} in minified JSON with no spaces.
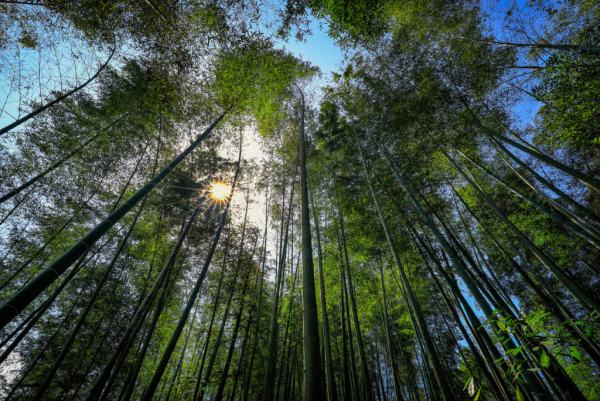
{"x":363,"y":19}
{"x":257,"y":79}
{"x":421,"y":82}
{"x":569,"y":86}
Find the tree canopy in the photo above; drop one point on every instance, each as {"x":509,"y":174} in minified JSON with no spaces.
{"x":191,"y":211}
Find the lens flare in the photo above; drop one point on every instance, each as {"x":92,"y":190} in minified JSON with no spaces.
{"x":219,"y":191}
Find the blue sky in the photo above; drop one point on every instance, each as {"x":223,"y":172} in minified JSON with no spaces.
{"x":317,"y":48}
{"x":495,"y":13}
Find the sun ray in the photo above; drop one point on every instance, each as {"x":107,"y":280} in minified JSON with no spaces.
{"x":219,"y":191}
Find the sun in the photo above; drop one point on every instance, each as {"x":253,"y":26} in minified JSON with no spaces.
{"x":219,"y":191}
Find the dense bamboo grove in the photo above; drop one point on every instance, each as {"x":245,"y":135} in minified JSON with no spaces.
{"x":189,"y":211}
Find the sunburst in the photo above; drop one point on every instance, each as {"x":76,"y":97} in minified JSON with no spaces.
{"x":219,"y":191}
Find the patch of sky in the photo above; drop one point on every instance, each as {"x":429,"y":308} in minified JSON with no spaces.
{"x":317,"y":48}
{"x":502,"y":20}
{"x":521,"y":21}
{"x":60,"y":61}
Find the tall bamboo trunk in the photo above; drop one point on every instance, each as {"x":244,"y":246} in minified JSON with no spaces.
{"x":225,"y":372}
{"x":585,"y":179}
{"x":574,"y":226}
{"x":347,"y":385}
{"x":361,"y":349}
{"x":355,"y":385}
{"x":135,"y":323}
{"x":69,"y":342}
{"x":287,"y":356}
{"x":573,"y":287}
{"x":559,"y":311}
{"x":329,"y":376}
{"x":130,"y":385}
{"x":270,"y":370}
{"x":212,"y":320}
{"x":149,"y":393}
{"x":25,"y":327}
{"x":177,"y":368}
{"x":33,"y":180}
{"x":562,"y":195}
{"x":46,"y":277}
{"x":256,"y":339}
{"x":532,"y":380}
{"x":446,"y":392}
{"x":313,"y":386}
{"x":388,"y":343}
{"x":216,"y":346}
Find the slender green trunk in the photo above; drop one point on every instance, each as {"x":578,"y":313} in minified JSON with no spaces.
{"x":59,"y":163}
{"x":530,"y":150}
{"x":380,"y":391}
{"x":457,"y":263}
{"x":587,"y":234}
{"x":149,"y":393}
{"x":136,"y":321}
{"x":270,"y":371}
{"x":559,"y":311}
{"x":356,"y":385}
{"x":590,"y":226}
{"x":484,"y":359}
{"x":573,"y":287}
{"x":41,"y":249}
{"x":35,"y":316}
{"x":287,"y":356}
{"x":313,"y":386}
{"x":225,"y":372}
{"x":551,"y":46}
{"x":212,"y":319}
{"x":177,"y":368}
{"x":242,"y":360}
{"x":49,"y":343}
{"x":46,"y":277}
{"x":388,"y":343}
{"x":93,"y":362}
{"x":347,"y":385}
{"x":216,"y":346}
{"x":69,"y":342}
{"x":562,"y":195}
{"x":473,"y":287}
{"x":255,"y":344}
{"x":132,"y":378}
{"x":12,"y":210}
{"x":419,"y":323}
{"x":361,"y":349}
{"x":530,"y":385}
{"x":329,"y":376}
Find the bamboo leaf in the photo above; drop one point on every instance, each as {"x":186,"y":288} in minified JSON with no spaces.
{"x":468,"y":383}
{"x":519,"y":395}
{"x":477,"y":395}
{"x":544,"y":359}
{"x":575,"y":354}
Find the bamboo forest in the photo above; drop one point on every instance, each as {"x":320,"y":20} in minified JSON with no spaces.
{"x":315,"y":200}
